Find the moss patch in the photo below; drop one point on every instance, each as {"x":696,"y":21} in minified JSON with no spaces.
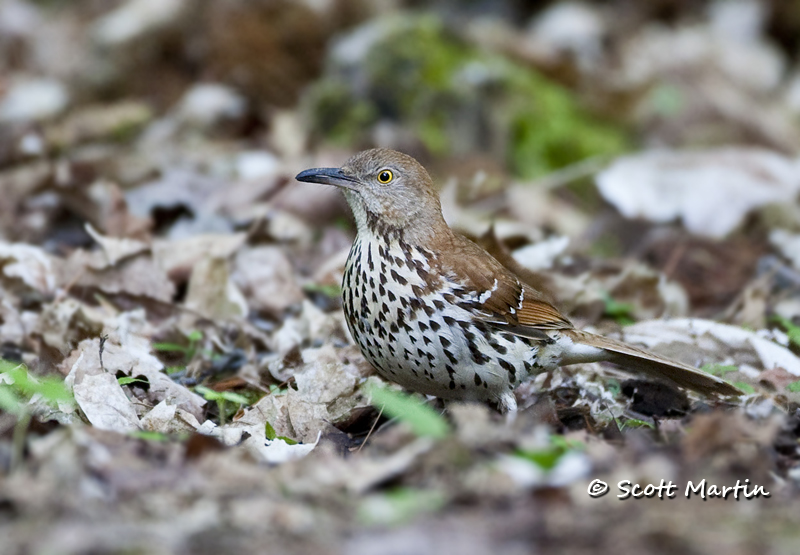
{"x":455,"y":99}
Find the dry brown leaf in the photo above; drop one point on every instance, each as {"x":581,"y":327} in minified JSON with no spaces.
{"x":662,"y":186}
{"x":116,"y":249}
{"x":138,"y":276}
{"x":105,"y":405}
{"x":27,"y":265}
{"x":129,"y":354}
{"x":178,"y":257}
{"x":212,"y":293}
{"x":266,"y":277}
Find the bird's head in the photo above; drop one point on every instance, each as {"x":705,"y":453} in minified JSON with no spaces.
{"x":388,"y":191}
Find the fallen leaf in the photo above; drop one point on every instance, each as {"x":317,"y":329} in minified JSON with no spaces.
{"x":29,"y":265}
{"x":662,"y":186}
{"x":104,"y":403}
{"x":266,"y":277}
{"x":137,"y":276}
{"x":212,"y":293}
{"x":178,"y":257}
{"x":116,"y":249}
{"x":706,"y":336}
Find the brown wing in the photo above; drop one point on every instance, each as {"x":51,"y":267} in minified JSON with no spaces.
{"x":527,"y":314}
{"x":540,"y":313}
{"x":503,"y":300}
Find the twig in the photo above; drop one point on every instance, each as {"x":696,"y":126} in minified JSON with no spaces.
{"x":103,"y":339}
{"x":360,"y":447}
{"x":573,"y":172}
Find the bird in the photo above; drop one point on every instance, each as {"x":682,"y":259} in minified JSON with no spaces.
{"x":437,"y":314}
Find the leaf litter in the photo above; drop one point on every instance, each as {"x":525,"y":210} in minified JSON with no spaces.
{"x":178,"y":375}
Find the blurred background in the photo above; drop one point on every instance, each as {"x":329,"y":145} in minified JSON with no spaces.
{"x":172,"y":118}
{"x":637,"y":160}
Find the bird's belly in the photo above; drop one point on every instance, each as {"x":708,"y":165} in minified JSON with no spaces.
{"x":427,"y":343}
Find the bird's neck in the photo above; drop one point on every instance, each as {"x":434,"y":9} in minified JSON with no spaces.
{"x":418,"y":229}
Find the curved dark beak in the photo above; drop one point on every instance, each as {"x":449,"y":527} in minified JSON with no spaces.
{"x":327,"y":176}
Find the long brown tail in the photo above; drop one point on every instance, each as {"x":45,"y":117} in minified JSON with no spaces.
{"x":655,"y":366}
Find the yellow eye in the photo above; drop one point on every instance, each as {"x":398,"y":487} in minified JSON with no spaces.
{"x":385,"y":176}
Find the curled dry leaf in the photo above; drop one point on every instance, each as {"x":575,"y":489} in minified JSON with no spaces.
{"x":131,"y":358}
{"x":137,"y":276}
{"x":116,"y":249}
{"x":661,"y":186}
{"x":649,"y":292}
{"x":13,"y":328}
{"x":538,"y":206}
{"x":253,"y":439}
{"x":167,"y":418}
{"x":745,"y":347}
{"x":179,"y":256}
{"x":324,"y":378}
{"x":326,"y":392}
{"x":366,"y":473}
{"x":175,"y":189}
{"x":28,"y":265}
{"x":212,"y":293}
{"x":267,"y":279}
{"x":474,"y":425}
{"x":541,"y":255}
{"x":105,"y":405}
{"x":66,"y":321}
{"x":272,"y":409}
{"x":310,"y":325}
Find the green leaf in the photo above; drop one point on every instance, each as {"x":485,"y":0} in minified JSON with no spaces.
{"x":149,"y":436}
{"x":399,"y":505}
{"x":614,"y":387}
{"x":622,"y":313}
{"x":10,"y":402}
{"x":567,"y":444}
{"x":6,"y":366}
{"x":794,"y":387}
{"x":211,"y":395}
{"x":195,"y":336}
{"x":170,"y":348}
{"x":126,"y":380}
{"x":423,"y":420}
{"x":792,"y":330}
{"x":746,"y":387}
{"x":271,"y":434}
{"x":332,"y":291}
{"x":636,"y":423}
{"x":719,"y":369}
{"x":275,"y":390}
{"x":52,"y":389}
{"x":546,"y":458}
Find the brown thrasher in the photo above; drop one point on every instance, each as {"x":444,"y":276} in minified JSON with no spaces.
{"x":435,"y":313}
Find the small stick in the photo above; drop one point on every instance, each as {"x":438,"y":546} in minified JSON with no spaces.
{"x":103,"y":339}
{"x":360,"y":447}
